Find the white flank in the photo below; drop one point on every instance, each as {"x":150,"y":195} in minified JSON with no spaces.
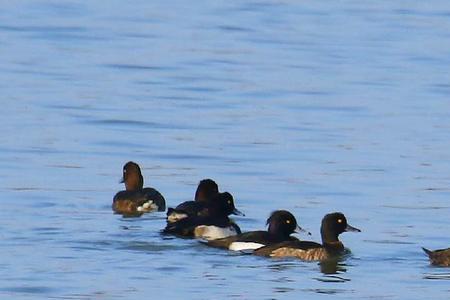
{"x":214,"y":232}
{"x":240,"y":246}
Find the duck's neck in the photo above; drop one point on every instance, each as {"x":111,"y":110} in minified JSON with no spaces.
{"x":333,"y":247}
{"x":277,"y":231}
{"x":200,"y":196}
{"x":214,"y":210}
{"x":218,"y":214}
{"x":330,"y":239}
{"x":329,"y":236}
{"x":134,"y":182}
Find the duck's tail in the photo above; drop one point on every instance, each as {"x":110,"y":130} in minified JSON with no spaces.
{"x":174,"y":215}
{"x":428,"y":252}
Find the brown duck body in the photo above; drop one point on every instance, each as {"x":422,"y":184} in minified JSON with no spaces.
{"x":138,"y":202}
{"x":439,"y":257}
{"x":304,"y":250}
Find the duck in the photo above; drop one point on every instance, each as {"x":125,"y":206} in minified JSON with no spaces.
{"x":281,"y":225}
{"x":206,"y":190}
{"x":333,"y":225}
{"x":439,"y":257}
{"x":136,"y":200}
{"x":213,"y":225}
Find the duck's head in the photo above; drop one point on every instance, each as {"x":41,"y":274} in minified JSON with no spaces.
{"x":132,"y":176}
{"x":333,"y":225}
{"x":222,"y":204}
{"x":282,"y":222}
{"x":206,"y":190}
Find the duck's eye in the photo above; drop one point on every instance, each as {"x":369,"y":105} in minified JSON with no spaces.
{"x":340,"y":221}
{"x":288,"y":221}
{"x":229,"y":202}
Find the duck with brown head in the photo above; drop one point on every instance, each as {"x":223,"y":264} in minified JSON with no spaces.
{"x":332,"y":226}
{"x":135,"y":199}
{"x":207,"y":189}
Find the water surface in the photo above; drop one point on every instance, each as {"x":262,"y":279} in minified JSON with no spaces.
{"x":311,"y":107}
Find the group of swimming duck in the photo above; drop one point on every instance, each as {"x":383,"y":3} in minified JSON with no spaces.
{"x":207,"y":218}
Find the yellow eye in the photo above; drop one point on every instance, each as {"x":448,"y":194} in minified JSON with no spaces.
{"x":229,"y":202}
{"x":288,"y":221}
{"x":340,"y":221}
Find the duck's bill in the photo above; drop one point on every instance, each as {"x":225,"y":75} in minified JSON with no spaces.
{"x":301,"y":230}
{"x":237,"y":212}
{"x":350,"y":228}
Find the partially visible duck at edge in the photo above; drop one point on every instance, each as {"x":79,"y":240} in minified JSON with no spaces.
{"x":216,"y":224}
{"x":439,"y":257}
{"x":136,"y":199}
{"x":206,"y":190}
{"x":332,"y":226}
{"x":281,"y":225}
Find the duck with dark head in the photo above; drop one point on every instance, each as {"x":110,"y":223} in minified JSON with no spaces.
{"x":332,"y":226}
{"x":281,"y":225}
{"x":213,"y":225}
{"x":135,"y":199}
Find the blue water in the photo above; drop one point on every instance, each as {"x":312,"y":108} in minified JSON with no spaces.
{"x":313,"y":106}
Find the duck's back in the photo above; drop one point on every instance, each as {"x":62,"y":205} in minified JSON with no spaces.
{"x":191,"y":207}
{"x":185,"y":210}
